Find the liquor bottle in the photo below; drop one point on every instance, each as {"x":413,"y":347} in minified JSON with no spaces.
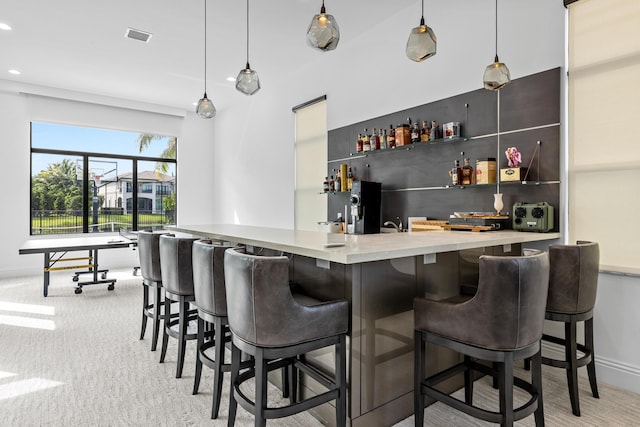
{"x":415,"y":133}
{"x":325,"y":184}
{"x":434,"y":134}
{"x":366,"y":141}
{"x":375,"y":140}
{"x":467,"y":173}
{"x":359,"y":144}
{"x":424,"y":133}
{"x":383,"y":139}
{"x":455,"y":173}
{"x":349,"y":179}
{"x":332,"y":184}
{"x":338,"y":184}
{"x":391,"y":138}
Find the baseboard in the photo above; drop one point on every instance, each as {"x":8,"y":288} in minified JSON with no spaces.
{"x":608,"y":371}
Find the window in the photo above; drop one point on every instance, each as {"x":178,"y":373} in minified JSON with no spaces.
{"x":82,"y":180}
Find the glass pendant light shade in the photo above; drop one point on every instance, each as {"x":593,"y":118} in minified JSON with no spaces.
{"x":422,"y":43}
{"x":205,"y":108}
{"x":247,"y":81}
{"x":323,"y":33}
{"x":496,"y":75}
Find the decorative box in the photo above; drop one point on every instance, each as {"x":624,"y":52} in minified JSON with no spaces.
{"x":512,"y":174}
{"x":486,"y":171}
{"x":403,"y":135}
{"x":451,"y":130}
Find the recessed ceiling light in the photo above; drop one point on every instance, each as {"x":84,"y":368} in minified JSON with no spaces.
{"x":4,"y":26}
{"x":231,"y":79}
{"x":16,"y":72}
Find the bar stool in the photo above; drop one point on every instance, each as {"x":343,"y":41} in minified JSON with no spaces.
{"x":149,"y":253}
{"x":269,"y":324}
{"x":177,"y":279}
{"x":211,"y":302}
{"x":502,"y":323}
{"x":573,"y":284}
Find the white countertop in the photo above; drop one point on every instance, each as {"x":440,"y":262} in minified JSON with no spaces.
{"x":361,"y":247}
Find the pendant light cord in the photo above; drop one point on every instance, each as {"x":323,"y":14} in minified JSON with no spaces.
{"x":422,"y":16}
{"x":247,"y":34}
{"x":205,"y":46}
{"x":496,"y":30}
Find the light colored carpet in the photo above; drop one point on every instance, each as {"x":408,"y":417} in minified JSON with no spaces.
{"x":75,"y":360}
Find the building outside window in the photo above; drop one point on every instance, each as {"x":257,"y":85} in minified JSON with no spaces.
{"x":82,"y":180}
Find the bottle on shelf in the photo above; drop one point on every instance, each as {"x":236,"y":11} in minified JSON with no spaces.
{"x":366,"y":145}
{"x":349,"y":179}
{"x":366,"y":141}
{"x":338,"y":184}
{"x":415,"y":133}
{"x":391,"y":138}
{"x":424,"y":132}
{"x":375,"y":140}
{"x":455,"y":173}
{"x":359,"y":144}
{"x":434,"y":134}
{"x":343,"y":177}
{"x":325,"y":184}
{"x":383,"y":139}
{"x":332,"y":182}
{"x":467,"y":173}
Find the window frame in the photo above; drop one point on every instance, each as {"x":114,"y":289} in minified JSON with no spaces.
{"x":86,"y":155}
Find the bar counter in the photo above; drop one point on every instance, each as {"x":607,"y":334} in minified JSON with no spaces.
{"x":379,"y":274}
{"x":363,"y":247}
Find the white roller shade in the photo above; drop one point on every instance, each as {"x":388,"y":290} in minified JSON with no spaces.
{"x":604,"y":136}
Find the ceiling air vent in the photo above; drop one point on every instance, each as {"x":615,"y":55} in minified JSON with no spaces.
{"x":137,"y":35}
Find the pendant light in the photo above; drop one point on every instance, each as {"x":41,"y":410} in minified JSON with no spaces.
{"x":497,"y":75}
{"x":323,"y":33}
{"x":205,"y":108}
{"x":422,"y":41}
{"x":247,"y":81}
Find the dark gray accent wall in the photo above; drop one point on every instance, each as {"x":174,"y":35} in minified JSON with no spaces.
{"x":414,"y":180}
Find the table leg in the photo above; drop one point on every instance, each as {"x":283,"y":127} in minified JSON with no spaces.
{"x":95,"y":265}
{"x":47,"y":258}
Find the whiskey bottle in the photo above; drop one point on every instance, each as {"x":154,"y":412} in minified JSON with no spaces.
{"x":338,"y":184}
{"x":391,"y":138}
{"x":415,"y":133}
{"x":332,"y":184}
{"x":424,"y":133}
{"x":375,"y":140}
{"x":366,"y":141}
{"x":349,"y":179}
{"x":467,"y":173}
{"x":325,"y":184}
{"x":359,"y":144}
{"x":383,"y":139}
{"x":455,"y":173}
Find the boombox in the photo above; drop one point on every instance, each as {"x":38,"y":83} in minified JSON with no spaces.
{"x":533,"y":217}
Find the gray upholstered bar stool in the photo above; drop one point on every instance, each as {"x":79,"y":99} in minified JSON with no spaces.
{"x":573,"y":284}
{"x":211,"y":302}
{"x":269,"y":324}
{"x":177,"y":280}
{"x":149,"y":254}
{"x":502,"y":323}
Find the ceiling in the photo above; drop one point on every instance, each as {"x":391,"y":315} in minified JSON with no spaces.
{"x":80,"y":45}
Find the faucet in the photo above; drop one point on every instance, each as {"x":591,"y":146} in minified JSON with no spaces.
{"x":398,"y":227}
